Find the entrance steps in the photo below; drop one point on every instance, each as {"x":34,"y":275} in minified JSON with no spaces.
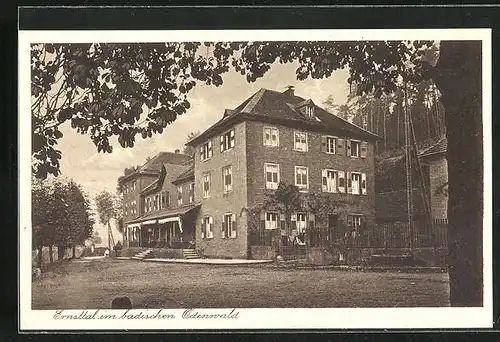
{"x":190,"y":253}
{"x":142,"y":255}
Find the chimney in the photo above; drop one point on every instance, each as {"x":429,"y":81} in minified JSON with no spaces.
{"x":177,"y":151}
{"x":289,"y":90}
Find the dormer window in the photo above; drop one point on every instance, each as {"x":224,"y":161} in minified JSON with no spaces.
{"x":309,"y":111}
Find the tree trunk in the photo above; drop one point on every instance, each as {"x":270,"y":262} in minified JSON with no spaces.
{"x":73,"y":252}
{"x":458,"y":76}
{"x":40,"y":257}
{"x":51,"y":259}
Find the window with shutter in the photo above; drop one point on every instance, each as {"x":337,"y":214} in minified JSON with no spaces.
{"x":206,"y":150}
{"x":301,"y":219}
{"x":341,"y":186}
{"x":271,"y":136}
{"x":329,"y":180}
{"x":349,"y":182}
{"x":272,"y":175}
{"x":355,"y":148}
{"x":356,"y":183}
{"x":363,"y":183}
{"x":271,"y":221}
{"x":331,"y":145}
{"x":224,"y":226}
{"x":323,"y":143}
{"x":210,"y":232}
{"x":301,"y":177}
{"x":191,"y":193}
{"x":179,"y":195}
{"x":233,"y":226}
{"x":227,"y":178}
{"x":300,"y":141}
{"x":227,"y":140}
{"x":206,"y":185}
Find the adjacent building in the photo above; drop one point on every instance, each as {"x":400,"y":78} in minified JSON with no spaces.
{"x":157,"y":204}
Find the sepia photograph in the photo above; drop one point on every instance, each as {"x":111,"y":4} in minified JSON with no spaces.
{"x":198,"y":175}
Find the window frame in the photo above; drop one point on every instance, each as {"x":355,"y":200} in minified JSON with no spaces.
{"x":230,"y":186}
{"x":267,"y":222}
{"x":180,"y":199}
{"x":295,"y":133}
{"x":301,"y":186}
{"x":328,"y":137}
{"x":358,"y":144}
{"x":309,"y":111}
{"x":301,"y":230}
{"x":227,"y":229}
{"x":227,"y":140}
{"x":206,"y":151}
{"x":360,"y":180}
{"x":265,"y":175}
{"x":269,"y":143}
{"x":191,"y":192}
{"x":204,"y":230}
{"x":208,"y":193}
{"x":324,"y":188}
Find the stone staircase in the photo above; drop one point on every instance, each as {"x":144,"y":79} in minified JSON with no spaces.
{"x":190,"y":253}
{"x":142,"y":255}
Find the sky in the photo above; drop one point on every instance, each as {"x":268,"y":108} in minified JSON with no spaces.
{"x":99,"y":171}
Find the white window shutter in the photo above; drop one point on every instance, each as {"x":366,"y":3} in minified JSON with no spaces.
{"x":324,"y":147}
{"x":201,"y":152}
{"x":349,"y":182}
{"x":341,"y":177}
{"x":224,"y":227}
{"x":323,"y":181}
{"x":233,"y":225}
{"x":209,"y":148}
{"x":210,"y":231}
{"x":232,"y":138}
{"x":222,"y":143}
{"x":348,"y":147}
{"x":364,"y":149}
{"x":202,"y":228}
{"x":363,"y":183}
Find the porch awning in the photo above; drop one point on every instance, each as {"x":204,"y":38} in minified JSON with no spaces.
{"x":149,"y":222}
{"x":166,"y":215}
{"x":169,"y":219}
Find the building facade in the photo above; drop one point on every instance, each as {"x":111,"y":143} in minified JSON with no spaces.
{"x":275,"y":137}
{"x":435,"y":159}
{"x":162,"y":216}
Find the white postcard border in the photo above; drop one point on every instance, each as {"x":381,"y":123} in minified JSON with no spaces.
{"x":317,"y":318}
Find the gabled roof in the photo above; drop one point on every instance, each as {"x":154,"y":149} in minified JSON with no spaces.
{"x":186,"y":174}
{"x":284,"y":108}
{"x":161,"y":158}
{"x":439,"y":148}
{"x":154,"y":165}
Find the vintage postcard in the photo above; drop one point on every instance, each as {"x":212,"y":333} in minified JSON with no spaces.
{"x":274,"y":179}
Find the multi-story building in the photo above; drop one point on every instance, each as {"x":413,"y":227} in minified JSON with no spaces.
{"x":153,"y":214}
{"x":275,"y":137}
